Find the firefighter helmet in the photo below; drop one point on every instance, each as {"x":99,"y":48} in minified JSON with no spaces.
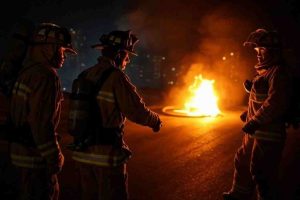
{"x":49,"y":33}
{"x":120,"y":40}
{"x":263,"y":38}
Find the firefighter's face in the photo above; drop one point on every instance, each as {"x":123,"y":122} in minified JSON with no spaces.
{"x":262,"y":54}
{"x":59,"y":58}
{"x":124,"y":59}
{"x":54,"y":54}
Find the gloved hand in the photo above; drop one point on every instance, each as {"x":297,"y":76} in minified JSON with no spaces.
{"x":243,"y":116}
{"x":250,"y":127}
{"x":247,"y":85}
{"x":55,"y":168}
{"x":157,"y":126}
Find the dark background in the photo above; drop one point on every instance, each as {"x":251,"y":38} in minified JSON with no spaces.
{"x":177,"y":38}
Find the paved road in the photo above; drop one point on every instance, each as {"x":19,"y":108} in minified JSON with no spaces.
{"x":190,"y":159}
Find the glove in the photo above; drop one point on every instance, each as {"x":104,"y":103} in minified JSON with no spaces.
{"x":250,"y":127}
{"x":55,"y":168}
{"x":157,"y":126}
{"x":247,"y":85}
{"x":243,"y":116}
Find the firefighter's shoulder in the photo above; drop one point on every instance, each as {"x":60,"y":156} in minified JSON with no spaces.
{"x":119,"y":75}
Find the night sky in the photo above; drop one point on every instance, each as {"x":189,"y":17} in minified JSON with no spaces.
{"x":185,"y":32}
{"x":162,"y":25}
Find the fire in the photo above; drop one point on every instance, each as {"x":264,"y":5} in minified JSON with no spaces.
{"x":203,"y":100}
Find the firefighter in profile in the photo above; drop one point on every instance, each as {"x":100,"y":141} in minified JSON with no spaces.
{"x":35,"y":113}
{"x":100,"y":151}
{"x":257,"y":160}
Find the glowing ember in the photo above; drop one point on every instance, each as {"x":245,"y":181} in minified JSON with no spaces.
{"x":203,"y":100}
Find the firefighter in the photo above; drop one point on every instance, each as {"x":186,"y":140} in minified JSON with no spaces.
{"x":35,"y":113}
{"x":257,"y":160}
{"x":102,"y":164}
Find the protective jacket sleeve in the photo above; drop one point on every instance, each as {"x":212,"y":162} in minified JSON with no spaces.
{"x":131,"y":104}
{"x":43,"y":117}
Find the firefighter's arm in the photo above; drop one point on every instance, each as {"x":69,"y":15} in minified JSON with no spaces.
{"x":42,"y":121}
{"x":132,"y":105}
{"x":277,"y":101}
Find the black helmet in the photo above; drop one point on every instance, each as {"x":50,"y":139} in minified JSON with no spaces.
{"x":263,"y":38}
{"x":121,"y":40}
{"x":49,"y":33}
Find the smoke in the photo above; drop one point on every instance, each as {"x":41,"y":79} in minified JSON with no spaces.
{"x":201,"y":37}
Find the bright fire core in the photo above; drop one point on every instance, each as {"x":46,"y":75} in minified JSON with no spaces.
{"x":202,"y":100}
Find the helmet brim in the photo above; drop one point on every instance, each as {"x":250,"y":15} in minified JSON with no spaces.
{"x":101,"y":46}
{"x":131,"y":52}
{"x":98,"y":46}
{"x":254,"y":45}
{"x":70,"y":50}
{"x":249,"y":44}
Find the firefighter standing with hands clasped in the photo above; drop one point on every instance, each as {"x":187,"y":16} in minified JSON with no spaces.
{"x":102,"y":99}
{"x":257,"y":160}
{"x":35,"y":113}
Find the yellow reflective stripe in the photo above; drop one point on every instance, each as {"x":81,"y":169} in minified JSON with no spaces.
{"x":48,"y":144}
{"x":48,"y":148}
{"x":256,"y":97}
{"x":92,"y":162}
{"x":106,"y":96}
{"x":28,"y":165}
{"x":98,"y":156}
{"x":24,"y":87}
{"x":100,"y":160}
{"x":270,"y":136}
{"x":261,"y":95}
{"x":78,"y":114}
{"x":22,"y":90}
{"x":26,"y":158}
{"x":21,"y":86}
{"x":106,"y":99}
{"x":50,"y":151}
{"x":28,"y":161}
{"x":103,"y":93}
{"x":118,"y":40}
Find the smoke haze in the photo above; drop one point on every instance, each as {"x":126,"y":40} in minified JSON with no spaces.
{"x":201,"y":37}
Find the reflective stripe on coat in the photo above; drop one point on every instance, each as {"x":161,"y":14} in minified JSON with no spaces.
{"x":36,"y":101}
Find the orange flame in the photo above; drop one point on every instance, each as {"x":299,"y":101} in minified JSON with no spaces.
{"x":203,"y":100}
